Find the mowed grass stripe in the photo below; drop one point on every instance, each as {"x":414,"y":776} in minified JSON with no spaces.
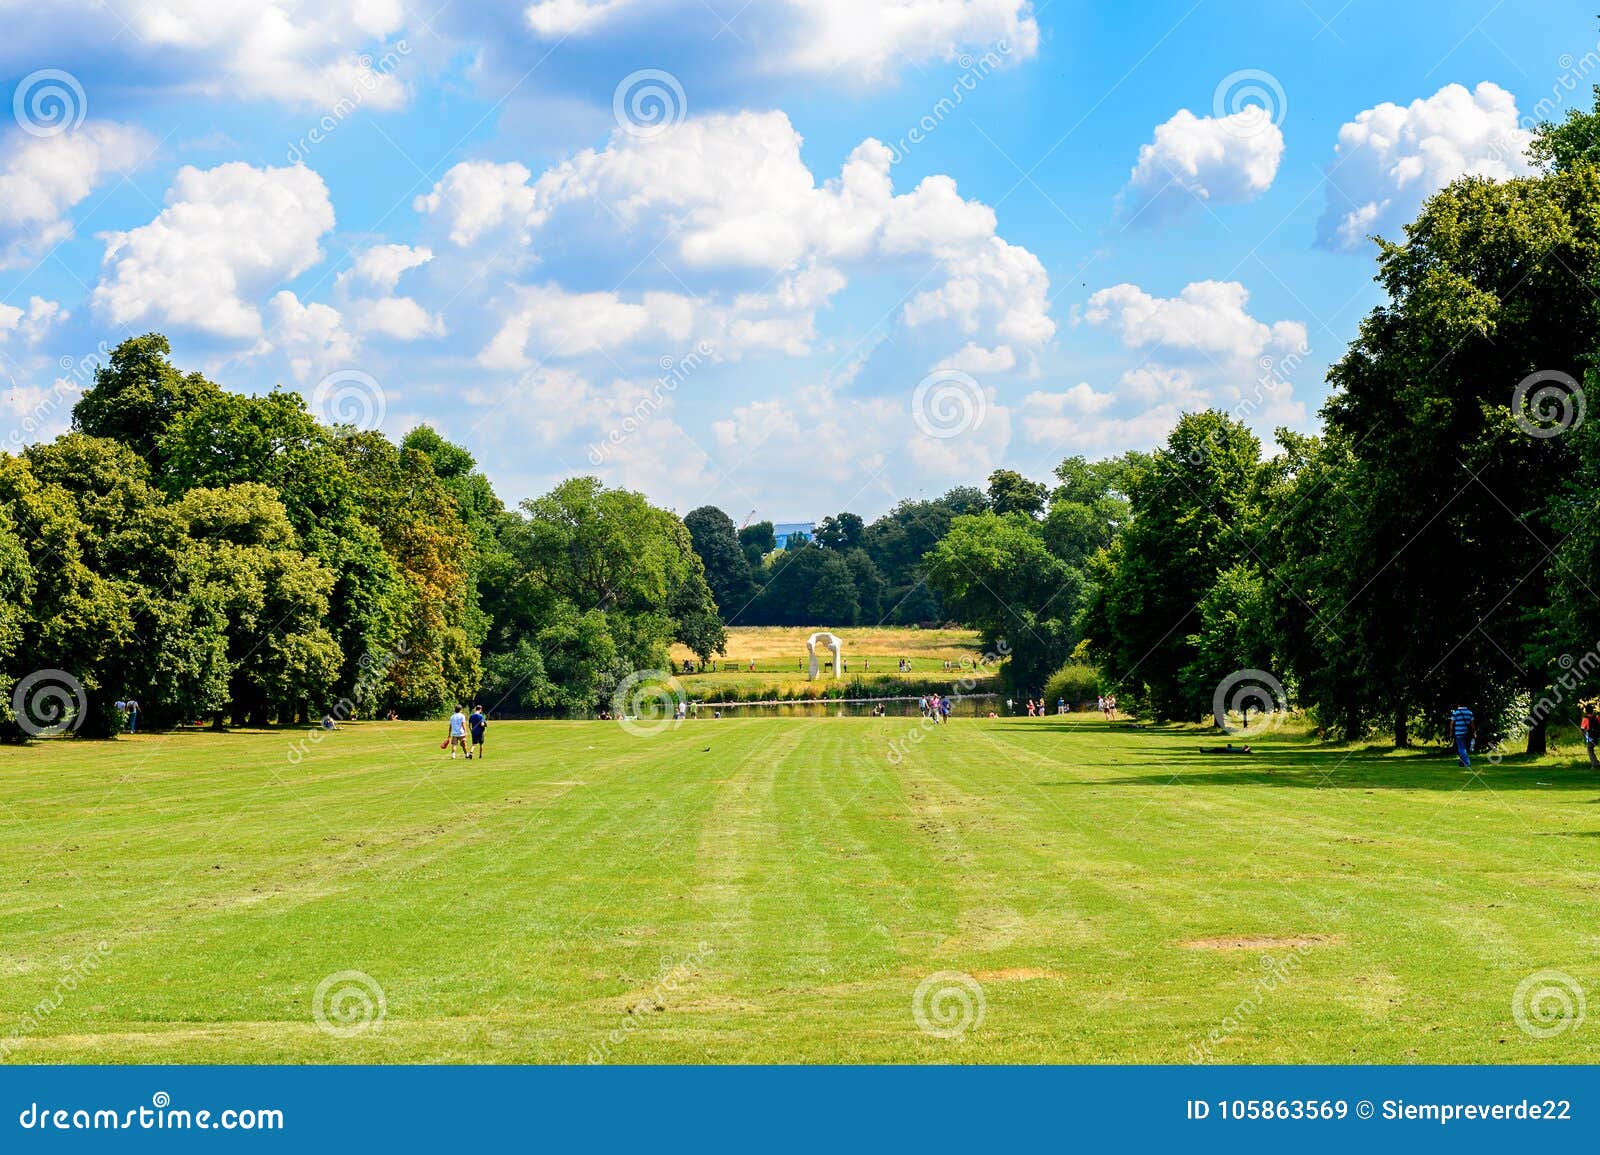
{"x":1112,"y":891}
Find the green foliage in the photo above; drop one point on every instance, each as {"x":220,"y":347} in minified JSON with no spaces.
{"x":757,"y":540}
{"x":1075,"y":682}
{"x":727,"y":568}
{"x":1193,"y":506}
{"x":1010,"y":492}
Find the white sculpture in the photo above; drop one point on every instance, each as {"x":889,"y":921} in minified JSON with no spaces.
{"x":833,"y":642}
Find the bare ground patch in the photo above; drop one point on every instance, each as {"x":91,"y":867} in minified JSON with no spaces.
{"x":1016,"y":975}
{"x":1259,"y":942}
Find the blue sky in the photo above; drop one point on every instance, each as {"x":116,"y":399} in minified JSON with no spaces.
{"x":833,"y":255}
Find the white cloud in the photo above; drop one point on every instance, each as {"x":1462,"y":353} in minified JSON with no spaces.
{"x":1208,"y":318}
{"x":312,"y":337}
{"x":1390,"y":159}
{"x":307,"y":53}
{"x":1200,"y":349}
{"x":31,"y":323}
{"x":563,"y":325}
{"x":382,"y":266}
{"x":845,"y":38}
{"x":729,"y":194}
{"x":554,"y":19}
{"x":226,"y":235}
{"x":1054,"y":420}
{"x":977,"y":360}
{"x":399,"y":317}
{"x":1226,"y":160}
{"x":43,"y":177}
{"x":478,"y":197}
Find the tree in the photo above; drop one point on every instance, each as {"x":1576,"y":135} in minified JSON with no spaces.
{"x":1194,"y":508}
{"x":16,"y":592}
{"x":871,"y":590}
{"x":757,"y":540}
{"x":228,"y":439}
{"x":1491,"y":288}
{"x":727,"y":569}
{"x":1010,"y":492}
{"x":842,"y":532}
{"x":808,"y":586}
{"x":128,"y":615}
{"x":282,"y":659}
{"x":138,"y":394}
{"x":605,"y":582}
{"x":994,"y":572}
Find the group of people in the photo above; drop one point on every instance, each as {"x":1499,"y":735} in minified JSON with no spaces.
{"x":935,"y":706}
{"x":461,"y":725}
{"x":1108,"y":706}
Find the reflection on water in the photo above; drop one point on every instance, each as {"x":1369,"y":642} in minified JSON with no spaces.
{"x":970,"y":706}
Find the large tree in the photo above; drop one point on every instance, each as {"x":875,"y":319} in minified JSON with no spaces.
{"x":726,"y":566}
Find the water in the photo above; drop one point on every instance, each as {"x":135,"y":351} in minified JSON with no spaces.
{"x":969,"y":706}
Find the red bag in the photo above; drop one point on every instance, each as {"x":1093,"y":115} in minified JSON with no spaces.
{"x":445,"y":745}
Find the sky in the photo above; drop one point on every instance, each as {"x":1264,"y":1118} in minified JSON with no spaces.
{"x":787,"y":257}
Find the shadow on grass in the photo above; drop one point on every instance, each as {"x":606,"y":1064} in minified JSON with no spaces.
{"x":1307,"y":763}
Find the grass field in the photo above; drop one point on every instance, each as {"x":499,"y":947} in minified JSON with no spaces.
{"x":777,"y":889}
{"x":939,"y":659}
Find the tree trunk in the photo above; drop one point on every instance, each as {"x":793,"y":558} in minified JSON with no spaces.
{"x":1402,"y":731}
{"x":1538,"y":736}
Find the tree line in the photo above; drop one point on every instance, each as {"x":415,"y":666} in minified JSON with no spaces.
{"x":227,"y":557}
{"x":1436,"y":544}
{"x":219,"y":556}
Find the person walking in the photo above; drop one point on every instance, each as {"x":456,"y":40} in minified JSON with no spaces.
{"x":1591,"y":730}
{"x":477,"y":723}
{"x":1463,"y":725}
{"x":458,"y":734}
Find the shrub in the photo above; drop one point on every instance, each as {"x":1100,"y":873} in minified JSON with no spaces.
{"x":1075,"y":682}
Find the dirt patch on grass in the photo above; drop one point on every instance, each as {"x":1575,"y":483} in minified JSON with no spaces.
{"x":1260,"y":942}
{"x":1016,"y":975}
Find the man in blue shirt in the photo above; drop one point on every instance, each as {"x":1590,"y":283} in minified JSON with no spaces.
{"x":477,"y":723}
{"x":1462,"y":725}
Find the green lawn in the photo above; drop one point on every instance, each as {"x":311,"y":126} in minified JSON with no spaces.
{"x":778,"y":889}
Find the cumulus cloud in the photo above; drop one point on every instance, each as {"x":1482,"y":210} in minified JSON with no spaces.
{"x":729,"y":195}
{"x":1200,"y":349}
{"x":31,"y":323}
{"x":479,"y":197}
{"x":311,"y":336}
{"x":857,"y":42}
{"x":561,"y":324}
{"x":1203,"y":159}
{"x":380,"y":269}
{"x":43,"y":177}
{"x":1208,"y":318}
{"x":305,"y":53}
{"x":1390,"y":158}
{"x":227,"y":235}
